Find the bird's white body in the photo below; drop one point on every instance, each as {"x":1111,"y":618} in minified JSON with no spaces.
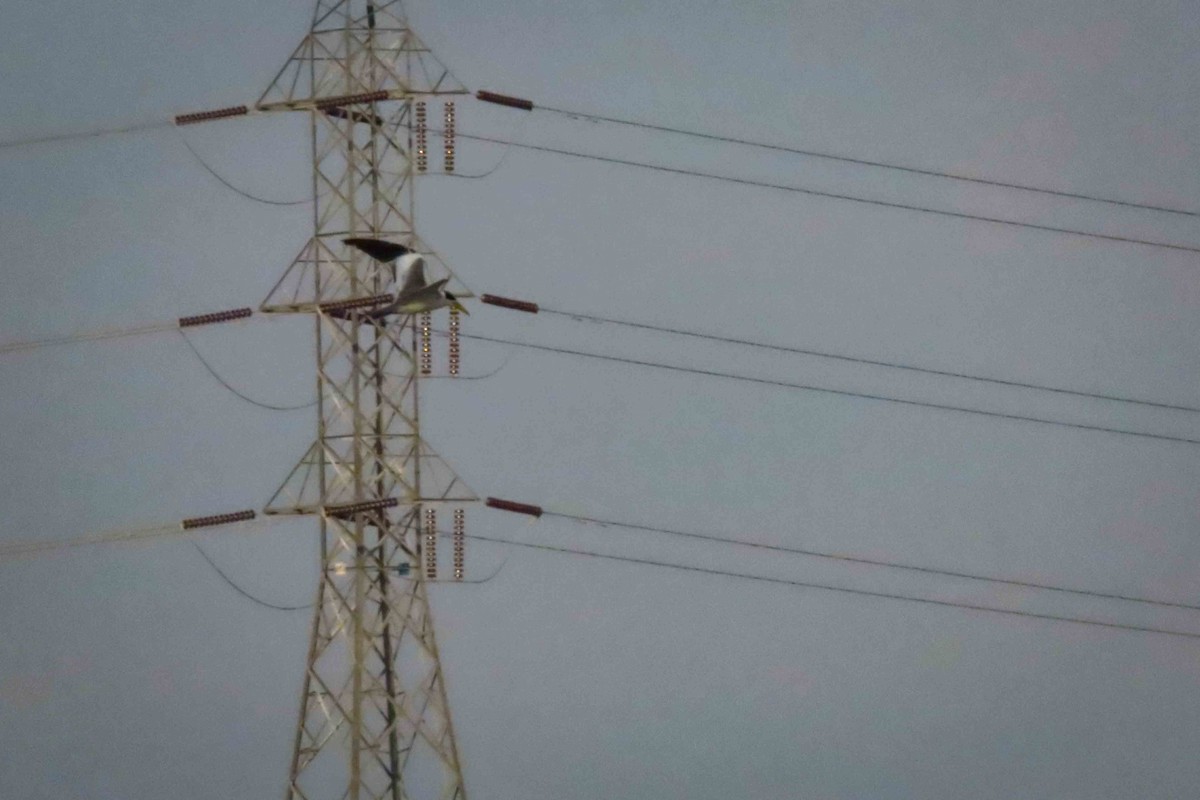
{"x":415,"y":294}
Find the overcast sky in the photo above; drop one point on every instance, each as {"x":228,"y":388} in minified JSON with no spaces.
{"x":130,"y":673}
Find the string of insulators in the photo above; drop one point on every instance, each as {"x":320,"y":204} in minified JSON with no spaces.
{"x":430,"y":548}
{"x":216,"y":519}
{"x":207,"y":116}
{"x":349,"y":99}
{"x":504,"y":100}
{"x":460,"y":543}
{"x":320,"y":104}
{"x":513,"y":506}
{"x":508,"y":302}
{"x":426,"y":343}
{"x":218,"y":316}
{"x":448,"y":135}
{"x":350,"y":509}
{"x":422,"y":140}
{"x":334,"y":306}
{"x":455,"y":343}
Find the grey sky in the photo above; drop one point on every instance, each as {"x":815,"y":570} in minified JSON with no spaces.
{"x":130,"y":673}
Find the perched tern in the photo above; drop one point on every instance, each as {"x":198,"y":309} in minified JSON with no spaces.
{"x":415,"y":294}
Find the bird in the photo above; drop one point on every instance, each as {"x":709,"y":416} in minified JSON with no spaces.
{"x":415,"y":294}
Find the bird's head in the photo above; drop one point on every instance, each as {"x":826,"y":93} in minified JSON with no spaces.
{"x":457,"y":305}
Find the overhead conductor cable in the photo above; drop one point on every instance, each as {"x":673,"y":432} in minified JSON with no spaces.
{"x":534,"y":308}
{"x":824,"y":390}
{"x":879,"y":203}
{"x":928,"y":601}
{"x":527,"y":105}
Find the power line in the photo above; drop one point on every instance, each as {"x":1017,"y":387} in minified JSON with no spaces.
{"x":143,"y":330}
{"x":822,"y":389}
{"x":861,"y":360}
{"x":240,"y":316}
{"x":18,"y":549}
{"x":835,"y":588}
{"x":957,"y":176}
{"x":88,"y":134}
{"x":726,"y":178}
{"x":242,"y":591}
{"x":517,"y":129}
{"x":163,"y":327}
{"x":216,"y":375}
{"x":248,"y":195}
{"x":480,"y":377}
{"x":11,"y":550}
{"x":832,"y":195}
{"x":243,"y":521}
{"x":871,"y":561}
{"x":92,"y":336}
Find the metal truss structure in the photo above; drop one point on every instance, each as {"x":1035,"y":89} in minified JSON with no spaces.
{"x":374,"y":716}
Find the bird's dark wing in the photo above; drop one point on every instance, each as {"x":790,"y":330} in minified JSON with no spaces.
{"x":378,"y":249}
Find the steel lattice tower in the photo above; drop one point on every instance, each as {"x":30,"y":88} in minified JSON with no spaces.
{"x":374,"y":716}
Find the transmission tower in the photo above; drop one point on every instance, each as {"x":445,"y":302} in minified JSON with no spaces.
{"x":374,"y":717}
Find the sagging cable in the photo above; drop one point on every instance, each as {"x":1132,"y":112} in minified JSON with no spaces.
{"x":232,"y":389}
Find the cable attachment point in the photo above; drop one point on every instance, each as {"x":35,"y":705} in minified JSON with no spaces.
{"x":515,"y":507}
{"x":506,"y":302}
{"x":218,"y":316}
{"x":216,"y":519}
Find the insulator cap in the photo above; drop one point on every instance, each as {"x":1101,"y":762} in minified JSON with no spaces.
{"x":348,"y":99}
{"x":507,"y":302}
{"x":504,"y":100}
{"x":350,"y":509}
{"x":516,"y":508}
{"x":216,"y":519}
{"x":218,"y":316}
{"x":206,"y":116}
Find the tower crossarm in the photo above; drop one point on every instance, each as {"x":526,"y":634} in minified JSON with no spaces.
{"x":334,"y":105}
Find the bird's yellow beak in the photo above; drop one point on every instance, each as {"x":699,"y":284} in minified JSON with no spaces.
{"x":460,"y":307}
